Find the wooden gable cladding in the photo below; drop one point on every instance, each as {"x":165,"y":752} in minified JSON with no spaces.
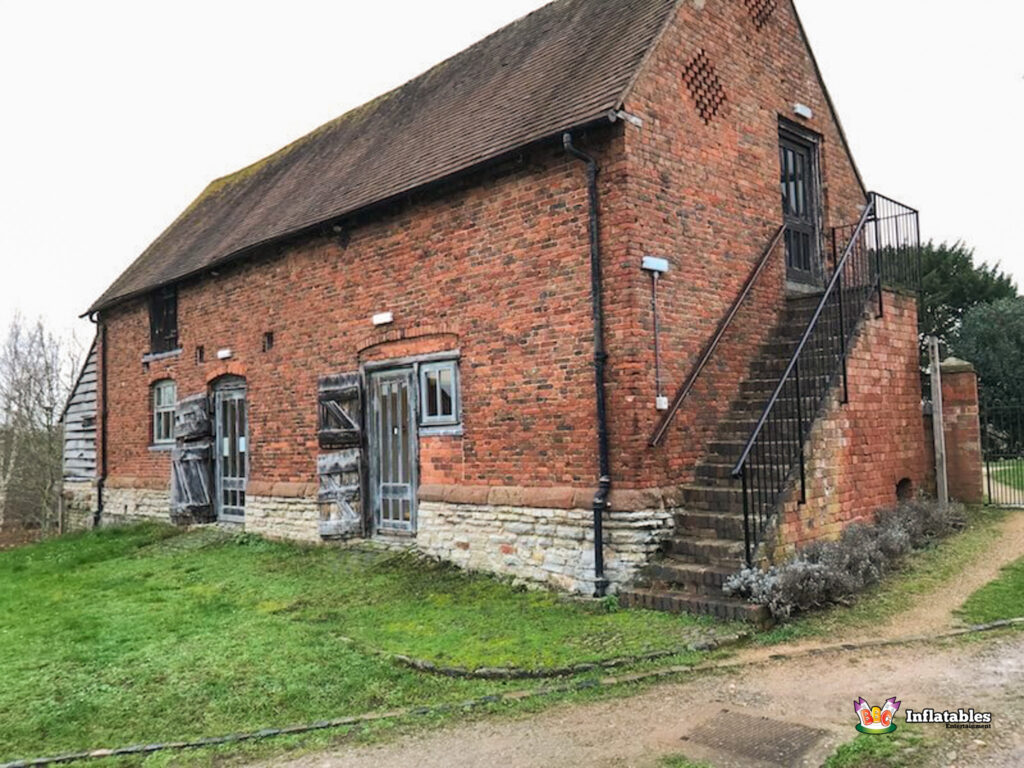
{"x":80,"y":423}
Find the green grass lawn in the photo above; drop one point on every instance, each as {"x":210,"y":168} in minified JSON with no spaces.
{"x":679,"y":761}
{"x":145,"y":633}
{"x":907,"y":747}
{"x":923,"y":574}
{"x":999,"y":599}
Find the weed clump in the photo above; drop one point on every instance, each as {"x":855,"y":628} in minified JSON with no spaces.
{"x":834,"y":572}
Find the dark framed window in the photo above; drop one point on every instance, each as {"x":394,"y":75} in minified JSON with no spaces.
{"x":439,"y":393}
{"x":165,"y":398}
{"x":163,"y":320}
{"x":800,"y":185}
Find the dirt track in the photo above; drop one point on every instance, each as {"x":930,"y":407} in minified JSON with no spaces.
{"x":817,"y":692}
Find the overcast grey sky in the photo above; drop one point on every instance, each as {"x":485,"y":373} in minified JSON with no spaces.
{"x":114,"y":115}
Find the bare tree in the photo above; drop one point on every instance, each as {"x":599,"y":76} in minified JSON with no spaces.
{"x":36,"y":374}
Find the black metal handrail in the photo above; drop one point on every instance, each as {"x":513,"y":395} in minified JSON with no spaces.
{"x":882,"y":249}
{"x":709,"y":349}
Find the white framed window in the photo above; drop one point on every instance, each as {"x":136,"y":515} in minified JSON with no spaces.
{"x":165,"y":398}
{"x":439,"y":394}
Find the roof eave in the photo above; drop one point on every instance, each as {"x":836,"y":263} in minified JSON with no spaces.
{"x":607,"y":115}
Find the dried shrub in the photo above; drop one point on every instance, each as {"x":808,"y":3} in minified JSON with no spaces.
{"x":834,"y":572}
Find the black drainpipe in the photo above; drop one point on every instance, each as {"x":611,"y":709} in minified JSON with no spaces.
{"x":604,"y":485}
{"x":97,"y":518}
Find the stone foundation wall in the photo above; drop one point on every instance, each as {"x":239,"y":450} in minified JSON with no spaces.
{"x":80,"y":500}
{"x":554,"y":547}
{"x":276,"y":517}
{"x":133,"y":505}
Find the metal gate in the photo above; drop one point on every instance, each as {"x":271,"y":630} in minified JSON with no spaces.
{"x":232,"y":449}
{"x":392,"y":445}
{"x":1002,"y":439}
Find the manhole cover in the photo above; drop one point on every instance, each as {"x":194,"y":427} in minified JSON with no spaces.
{"x":759,"y":738}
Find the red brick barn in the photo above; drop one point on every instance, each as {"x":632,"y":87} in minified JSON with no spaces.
{"x":548,"y":286}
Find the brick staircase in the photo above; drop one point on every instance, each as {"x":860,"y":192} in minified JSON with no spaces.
{"x":707,"y":545}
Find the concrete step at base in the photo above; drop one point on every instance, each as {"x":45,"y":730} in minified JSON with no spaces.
{"x":726,"y":609}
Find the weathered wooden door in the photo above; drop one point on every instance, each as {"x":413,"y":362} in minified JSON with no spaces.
{"x":392,"y":443}
{"x":231,"y":449}
{"x":800,"y":208}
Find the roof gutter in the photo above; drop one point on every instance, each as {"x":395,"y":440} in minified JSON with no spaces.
{"x":600,"y":360}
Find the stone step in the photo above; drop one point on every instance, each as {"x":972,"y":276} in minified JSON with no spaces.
{"x":718,"y":473}
{"x":679,"y":575}
{"x":760,"y":389}
{"x":709,"y":525}
{"x":667,"y":601}
{"x":721,"y":552}
{"x":714,"y":498}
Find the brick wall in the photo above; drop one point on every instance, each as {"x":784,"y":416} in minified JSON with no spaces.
{"x":706,"y":197}
{"x":497,"y":269}
{"x":859,"y":451}
{"x":961,"y":418}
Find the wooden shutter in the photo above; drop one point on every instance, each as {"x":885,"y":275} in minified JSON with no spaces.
{"x":192,"y":463}
{"x":191,"y":483}
{"x":340,"y":406}
{"x":340,"y":496}
{"x":192,"y":419}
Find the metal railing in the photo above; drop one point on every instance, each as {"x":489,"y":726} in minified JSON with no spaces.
{"x":1002,"y":442}
{"x":881,"y":250}
{"x":714,"y":342}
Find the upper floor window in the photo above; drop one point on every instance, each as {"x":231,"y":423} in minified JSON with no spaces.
{"x":163,"y":320}
{"x":165,"y":398}
{"x":439,"y":393}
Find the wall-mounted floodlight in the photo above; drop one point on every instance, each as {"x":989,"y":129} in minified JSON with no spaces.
{"x":654,"y":264}
{"x":802,"y":110}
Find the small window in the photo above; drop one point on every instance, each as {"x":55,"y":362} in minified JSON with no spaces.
{"x":439,"y":393}
{"x":163,"y":320}
{"x":165,"y":397}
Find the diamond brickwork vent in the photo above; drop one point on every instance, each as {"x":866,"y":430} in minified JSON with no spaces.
{"x":761,"y":11}
{"x":705,"y":87}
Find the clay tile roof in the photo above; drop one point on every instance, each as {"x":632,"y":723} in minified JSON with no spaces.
{"x":562,"y":66}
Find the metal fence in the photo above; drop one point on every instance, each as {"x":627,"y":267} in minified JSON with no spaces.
{"x":1002,"y":440}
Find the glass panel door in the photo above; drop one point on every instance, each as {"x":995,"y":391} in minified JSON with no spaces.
{"x":231,"y":452}
{"x":393,"y":450}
